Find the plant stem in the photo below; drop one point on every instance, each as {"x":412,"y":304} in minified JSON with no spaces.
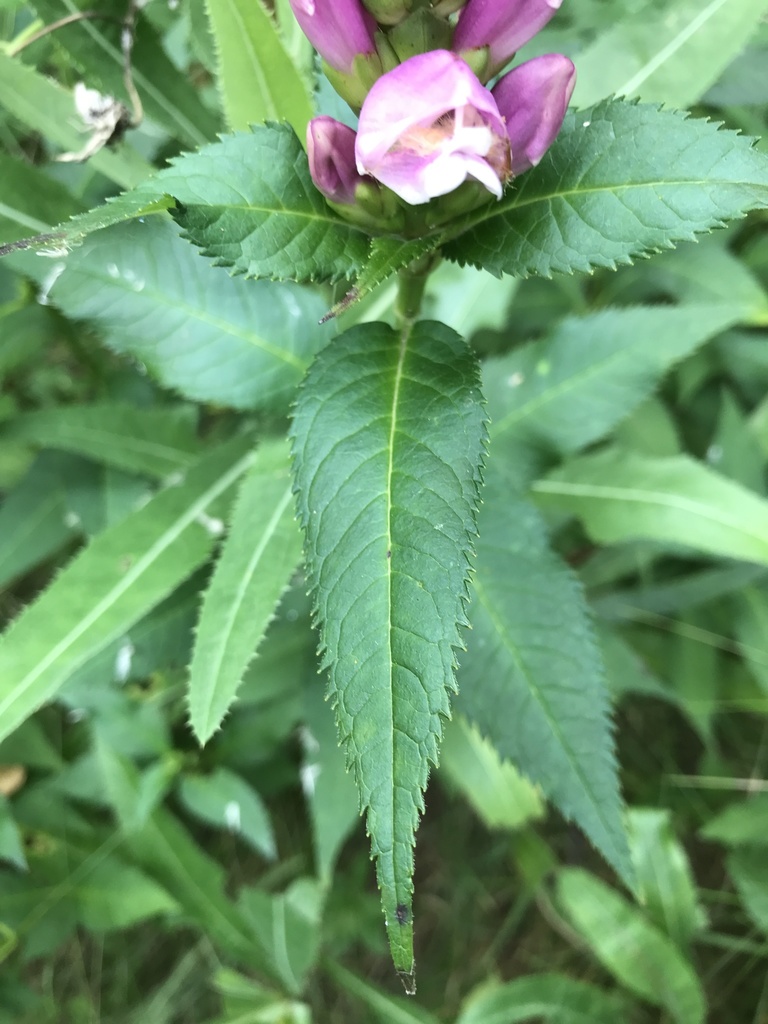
{"x":412,"y":281}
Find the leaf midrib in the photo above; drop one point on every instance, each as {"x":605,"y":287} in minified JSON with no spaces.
{"x":514,"y":654}
{"x":644,"y":497}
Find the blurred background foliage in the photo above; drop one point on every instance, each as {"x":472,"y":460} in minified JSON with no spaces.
{"x":145,"y":880}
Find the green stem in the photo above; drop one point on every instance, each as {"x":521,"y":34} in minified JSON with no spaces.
{"x":412,"y":281}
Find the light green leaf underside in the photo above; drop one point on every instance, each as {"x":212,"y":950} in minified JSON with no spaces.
{"x":671,"y":54}
{"x":42,"y":105}
{"x":622,"y":180}
{"x":637,"y":954}
{"x":623,"y":496}
{"x":146,"y":441}
{"x":570,"y":389}
{"x":243,"y":344}
{"x":388,"y":440}
{"x":120,"y":576}
{"x":257,"y":79}
{"x":532,"y":678}
{"x":258,"y":557}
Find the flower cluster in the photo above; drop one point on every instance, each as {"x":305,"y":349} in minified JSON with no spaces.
{"x":427,"y":122}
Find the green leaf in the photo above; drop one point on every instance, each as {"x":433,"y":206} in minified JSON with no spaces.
{"x":621,"y":181}
{"x":328,"y":787}
{"x":257,"y":78}
{"x":11,"y":845}
{"x":167,"y":95}
{"x":547,"y":997}
{"x":668,"y":54}
{"x":749,"y":870}
{"x":242,"y":344}
{"x":260,"y":554}
{"x":570,"y":389}
{"x":532,"y":679}
{"x":164,"y":849}
{"x":741,"y":824}
{"x":45,"y":107}
{"x":388,"y":439}
{"x":494,"y":788}
{"x":288,"y":925}
{"x":155,"y":442}
{"x":33,"y":520}
{"x":31,"y":201}
{"x":122,"y":574}
{"x":248,"y":201}
{"x":636,"y":953}
{"x":622,"y":496}
{"x":226,"y":801}
{"x":665,"y":883}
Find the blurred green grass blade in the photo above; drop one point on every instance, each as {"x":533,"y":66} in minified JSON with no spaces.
{"x":30,"y":201}
{"x":740,"y":824}
{"x":671,"y":55}
{"x":116,"y":580}
{"x":638,"y":955}
{"x":749,"y":870}
{"x":494,"y":788}
{"x":262,"y":549}
{"x":45,"y":107}
{"x":168,"y":97}
{"x":257,"y":78}
{"x":621,"y":496}
{"x":385,"y":1008}
{"x":152,"y":442}
{"x":665,"y":882}
{"x":546,"y":997}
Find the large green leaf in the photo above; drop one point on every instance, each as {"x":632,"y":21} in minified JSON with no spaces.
{"x":638,"y":955}
{"x":622,"y":496}
{"x":243,"y":344}
{"x":622,"y":180}
{"x":257,"y":79}
{"x":748,"y":868}
{"x":123,"y":573}
{"x":668,"y":54}
{"x":532,"y":679}
{"x":258,"y":557}
{"x":388,"y":440}
{"x":571,"y":388}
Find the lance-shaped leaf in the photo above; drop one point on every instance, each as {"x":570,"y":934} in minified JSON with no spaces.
{"x":389,"y":435}
{"x":533,"y":679}
{"x":622,"y":180}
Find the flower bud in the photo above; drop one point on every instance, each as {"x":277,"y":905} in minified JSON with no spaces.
{"x":338,"y":29}
{"x":429,"y":125}
{"x":501,"y":25}
{"x":533,"y":99}
{"x":331,"y":152}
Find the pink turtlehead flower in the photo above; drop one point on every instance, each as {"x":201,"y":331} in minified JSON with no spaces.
{"x":533,"y":99}
{"x":429,"y":125}
{"x":331,"y":152}
{"x":501,"y":25}
{"x":338,"y":29}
